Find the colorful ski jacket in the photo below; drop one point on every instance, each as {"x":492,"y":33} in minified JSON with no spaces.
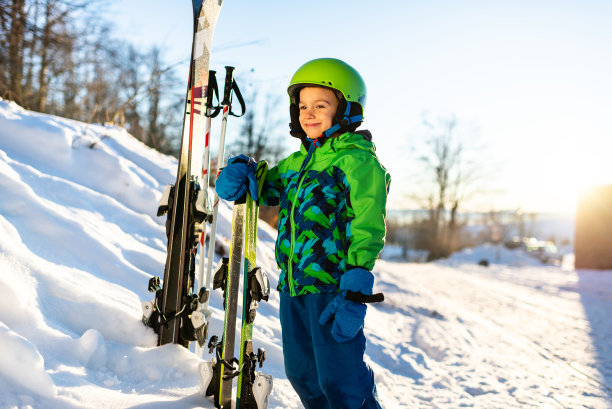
{"x":331,"y":202}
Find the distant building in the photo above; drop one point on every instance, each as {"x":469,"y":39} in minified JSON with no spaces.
{"x":593,"y":234}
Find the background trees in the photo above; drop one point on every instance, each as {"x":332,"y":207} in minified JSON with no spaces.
{"x":261,"y":129}
{"x":449,"y":175}
{"x":60,"y":57}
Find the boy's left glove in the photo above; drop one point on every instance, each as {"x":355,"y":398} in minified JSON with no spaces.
{"x":348,"y":315}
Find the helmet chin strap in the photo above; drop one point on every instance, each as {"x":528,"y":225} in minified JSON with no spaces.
{"x":340,"y":125}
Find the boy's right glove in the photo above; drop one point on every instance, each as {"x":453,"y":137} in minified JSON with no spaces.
{"x":238,"y":176}
{"x":348,"y":315}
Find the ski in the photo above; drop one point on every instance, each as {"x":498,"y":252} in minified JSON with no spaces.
{"x":185,"y":202}
{"x":216,"y":375}
{"x":253,"y":388}
{"x":227,"y":364}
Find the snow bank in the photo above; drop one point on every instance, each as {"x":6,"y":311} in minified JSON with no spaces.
{"x":24,"y":365}
{"x":493,"y":254}
{"x":79,"y":240}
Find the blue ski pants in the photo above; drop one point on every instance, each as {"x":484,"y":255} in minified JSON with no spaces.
{"x":325,"y":374}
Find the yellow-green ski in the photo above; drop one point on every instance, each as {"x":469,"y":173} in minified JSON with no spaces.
{"x":253,"y":388}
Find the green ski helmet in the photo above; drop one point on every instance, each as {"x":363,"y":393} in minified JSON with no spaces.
{"x":338,"y":76}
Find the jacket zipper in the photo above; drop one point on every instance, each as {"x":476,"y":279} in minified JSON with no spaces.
{"x":301,"y":176}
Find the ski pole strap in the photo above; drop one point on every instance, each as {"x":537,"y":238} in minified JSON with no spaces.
{"x":364,"y":298}
{"x":212,"y":90}
{"x":240,"y":100}
{"x":229,"y":88}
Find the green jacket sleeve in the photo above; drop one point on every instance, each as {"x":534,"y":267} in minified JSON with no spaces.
{"x":369,"y":184}
{"x":270,"y":192}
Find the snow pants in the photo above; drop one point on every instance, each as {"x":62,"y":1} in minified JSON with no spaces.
{"x":325,"y":374}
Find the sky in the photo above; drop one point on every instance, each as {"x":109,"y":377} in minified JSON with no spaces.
{"x":528,"y":82}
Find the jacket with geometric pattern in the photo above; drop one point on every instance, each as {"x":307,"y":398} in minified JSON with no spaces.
{"x":332,"y":203}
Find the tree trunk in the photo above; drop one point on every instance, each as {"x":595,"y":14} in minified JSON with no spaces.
{"x":452,"y":228}
{"x":16,"y":39}
{"x":28,"y":88}
{"x":43,"y":73}
{"x":154,"y":83}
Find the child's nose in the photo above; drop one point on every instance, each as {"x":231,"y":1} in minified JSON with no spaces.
{"x":308,"y":113}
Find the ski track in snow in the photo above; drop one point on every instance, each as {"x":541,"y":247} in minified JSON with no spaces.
{"x":79,"y":240}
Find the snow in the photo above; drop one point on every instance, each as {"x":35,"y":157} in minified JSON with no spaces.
{"x":79,"y":240}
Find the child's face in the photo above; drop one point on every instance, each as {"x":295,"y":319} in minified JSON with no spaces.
{"x":317,"y":109}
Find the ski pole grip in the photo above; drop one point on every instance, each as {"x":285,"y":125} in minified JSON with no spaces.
{"x":363,"y":298}
{"x":227,"y":91}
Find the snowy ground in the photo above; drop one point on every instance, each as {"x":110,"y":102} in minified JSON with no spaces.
{"x":79,"y":240}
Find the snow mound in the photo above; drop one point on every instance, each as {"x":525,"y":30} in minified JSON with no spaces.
{"x":24,"y":365}
{"x":493,"y":254}
{"x":79,"y":240}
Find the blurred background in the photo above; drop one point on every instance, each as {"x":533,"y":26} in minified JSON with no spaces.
{"x":492,"y":118}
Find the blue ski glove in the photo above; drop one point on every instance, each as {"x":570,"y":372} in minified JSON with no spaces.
{"x":236,"y":178}
{"x":348,"y":316}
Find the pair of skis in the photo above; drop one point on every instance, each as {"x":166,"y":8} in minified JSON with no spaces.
{"x":186,"y":203}
{"x":191,"y":314}
{"x":177,"y":313}
{"x":216,"y":375}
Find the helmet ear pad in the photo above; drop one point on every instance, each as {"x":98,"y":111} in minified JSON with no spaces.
{"x":341,"y":119}
{"x":295,"y":129}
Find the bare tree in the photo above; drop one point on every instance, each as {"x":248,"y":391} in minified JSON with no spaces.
{"x":452,"y":178}
{"x":30,"y":52}
{"x":34,"y":33}
{"x":153,"y":131}
{"x":163,"y":113}
{"x":132,"y":82}
{"x":259,"y":134}
{"x":54,"y":36}
{"x":60,"y":57}
{"x":15,"y":25}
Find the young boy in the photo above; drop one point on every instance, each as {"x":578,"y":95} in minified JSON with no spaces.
{"x":331,"y":195}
